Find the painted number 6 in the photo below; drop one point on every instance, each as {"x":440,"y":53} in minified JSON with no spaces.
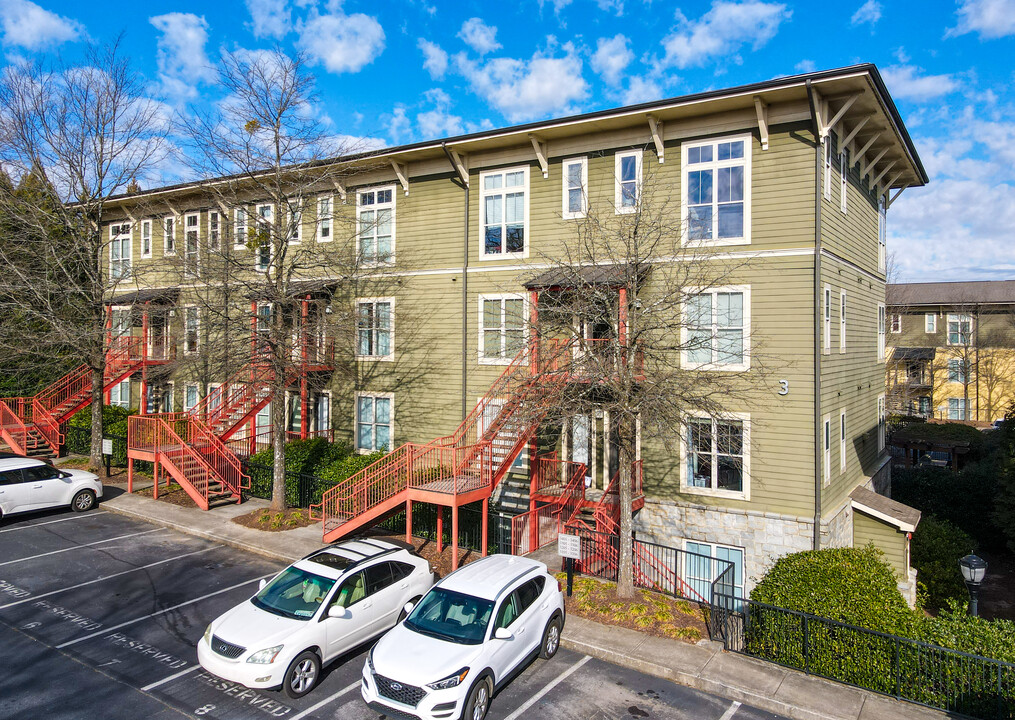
{"x":784,"y":387}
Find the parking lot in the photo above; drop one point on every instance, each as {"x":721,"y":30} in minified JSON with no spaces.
{"x":100,"y":614}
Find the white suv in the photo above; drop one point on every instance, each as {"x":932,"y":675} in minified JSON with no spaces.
{"x":27,"y":484}
{"x":312,"y":612}
{"x":467,"y":638}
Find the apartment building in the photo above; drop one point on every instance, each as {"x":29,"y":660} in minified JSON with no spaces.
{"x":952,"y":349}
{"x":790,"y":179}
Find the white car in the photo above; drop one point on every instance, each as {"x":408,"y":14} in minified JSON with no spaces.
{"x":467,"y":638}
{"x":318,"y":608}
{"x":27,"y":484}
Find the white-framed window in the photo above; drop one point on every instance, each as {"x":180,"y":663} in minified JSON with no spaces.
{"x":375,"y":328}
{"x":957,"y":409}
{"x":240,"y":227}
{"x":827,"y":316}
{"x":716,"y":207}
{"x":716,"y":456}
{"x":881,"y":331}
{"x":160,"y":399}
{"x":191,"y":396}
{"x":896,"y":323}
{"x":842,"y":440}
{"x":501,"y":328}
{"x":956,"y":370}
{"x":882,"y":234}
{"x":320,"y":411}
{"x":716,"y":332}
{"x":826,"y":445}
{"x":146,"y":238}
{"x":826,"y":186}
{"x":214,"y":397}
{"x":575,"y":188}
{"x":703,"y":564}
{"x":960,"y":329}
{"x":842,"y":321}
{"x":265,"y":225}
{"x":294,"y":221}
{"x":119,"y":394}
{"x":214,"y":230}
{"x":375,"y":414}
{"x":120,"y":322}
{"x":119,"y":251}
{"x":191,"y":330}
{"x":191,"y":245}
{"x":930,"y":322}
{"x":504,"y":213}
{"x":627,"y":187}
{"x":843,"y":181}
{"x":375,"y":216}
{"x":169,"y":235}
{"x":881,"y":422}
{"x":324,"y":218}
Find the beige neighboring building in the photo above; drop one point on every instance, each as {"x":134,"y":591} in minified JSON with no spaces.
{"x":791,"y":178}
{"x":952,"y":349}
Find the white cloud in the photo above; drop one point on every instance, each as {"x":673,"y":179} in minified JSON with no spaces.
{"x":611,"y":58}
{"x":641,"y":90}
{"x":439,"y":122}
{"x":27,"y":25}
{"x":435,"y":60}
{"x":906,"y":82}
{"x":805,"y":66}
{"x":558,"y":5}
{"x":181,"y":56}
{"x":270,"y":18}
{"x":479,"y":36}
{"x":990,"y":18}
{"x":399,"y":126}
{"x":723,"y":30}
{"x":614,"y":6}
{"x":342,"y":43}
{"x":527,"y":89}
{"x":869,"y":12}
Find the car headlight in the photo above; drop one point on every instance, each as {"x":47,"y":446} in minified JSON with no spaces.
{"x":450,"y":681}
{"x":207,"y":634}
{"x":266,"y":656}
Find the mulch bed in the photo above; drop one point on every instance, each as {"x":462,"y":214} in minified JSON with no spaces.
{"x":174,"y":494}
{"x":275,"y":521}
{"x":648,"y":612}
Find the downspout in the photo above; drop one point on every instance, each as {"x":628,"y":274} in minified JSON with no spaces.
{"x":465,"y":286}
{"x":818,"y":430}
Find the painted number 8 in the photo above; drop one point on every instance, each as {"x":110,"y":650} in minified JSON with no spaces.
{"x":204,"y":709}
{"x":784,"y":387}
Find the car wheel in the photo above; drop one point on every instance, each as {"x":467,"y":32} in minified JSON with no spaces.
{"x":402,"y":614}
{"x":479,"y":700}
{"x":302,"y":674}
{"x":551,"y":639}
{"x":83,"y":501}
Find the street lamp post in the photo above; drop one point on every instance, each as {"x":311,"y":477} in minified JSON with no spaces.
{"x":973,"y":569}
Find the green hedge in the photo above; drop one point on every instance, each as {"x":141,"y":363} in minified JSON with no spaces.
{"x":114,"y":420}
{"x":936,"y":548}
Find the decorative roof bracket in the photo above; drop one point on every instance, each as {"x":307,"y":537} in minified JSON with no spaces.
{"x":540,"y":148}
{"x":865,"y":166}
{"x":762,"y":109}
{"x":402,"y":172}
{"x":656,"y":128}
{"x":340,"y":189}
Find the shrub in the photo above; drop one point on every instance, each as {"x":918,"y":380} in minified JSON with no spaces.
{"x":114,"y":420}
{"x":936,"y":548}
{"x":955,"y":628}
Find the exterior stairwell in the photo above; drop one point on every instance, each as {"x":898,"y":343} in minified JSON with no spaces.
{"x":237,"y":400}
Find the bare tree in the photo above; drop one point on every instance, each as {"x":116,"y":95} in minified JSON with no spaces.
{"x":71,"y":136}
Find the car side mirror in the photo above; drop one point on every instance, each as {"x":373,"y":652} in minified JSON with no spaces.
{"x":262,"y":584}
{"x":503,"y":634}
{"x":337,"y":611}
{"x":407,"y":608}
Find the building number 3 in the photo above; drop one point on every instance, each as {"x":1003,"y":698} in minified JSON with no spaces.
{"x":784,"y":387}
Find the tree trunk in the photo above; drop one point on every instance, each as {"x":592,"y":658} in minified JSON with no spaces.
{"x":95,"y":451}
{"x":278,"y":503}
{"x":625,"y":570}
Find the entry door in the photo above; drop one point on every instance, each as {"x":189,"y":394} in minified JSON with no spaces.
{"x":158,"y":336}
{"x":581,"y":435}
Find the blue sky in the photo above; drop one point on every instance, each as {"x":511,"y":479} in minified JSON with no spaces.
{"x":397,"y":72}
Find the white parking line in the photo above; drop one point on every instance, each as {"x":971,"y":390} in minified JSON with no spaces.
{"x":163,"y":681}
{"x":107,"y":577}
{"x":549,"y":686}
{"x":79,"y":516}
{"x":78,"y":547}
{"x":160,"y":612}
{"x":731,"y":711}
{"x":326,"y":700}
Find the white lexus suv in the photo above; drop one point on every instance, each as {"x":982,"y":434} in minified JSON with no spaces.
{"x":467,"y":638}
{"x":318,"y":608}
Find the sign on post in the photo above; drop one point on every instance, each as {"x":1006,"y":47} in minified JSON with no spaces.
{"x":107,"y":446}
{"x":569,"y":546}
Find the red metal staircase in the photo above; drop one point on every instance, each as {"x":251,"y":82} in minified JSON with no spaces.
{"x":238,"y":399}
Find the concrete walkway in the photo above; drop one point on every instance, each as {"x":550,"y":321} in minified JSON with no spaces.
{"x":705,"y":666}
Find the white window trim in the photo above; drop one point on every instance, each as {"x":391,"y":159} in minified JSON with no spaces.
{"x":146,"y":226}
{"x":895,"y":323}
{"x":842,"y":440}
{"x":380,"y":358}
{"x":526,"y":186}
{"x":383,"y":206}
{"x":197,"y":315}
{"x":618,"y":194}
{"x":166,"y":235}
{"x":826,"y":319}
{"x":826,"y":441}
{"x":120,"y":402}
{"x":881,"y":420}
{"x":196,"y":270}
{"x":826,"y":143}
{"x":714,"y":570}
{"x":959,"y":371}
{"x":330,"y":218}
{"x":748,"y":147}
{"x":328,"y":394}
{"x":958,"y":318}
{"x":842,"y":322}
{"x":240,"y":227}
{"x":270,"y":221}
{"x":745,"y":494}
{"x":213,"y":244}
{"x":117,"y":241}
{"x":746,"y":364}
{"x":930,"y":323}
{"x":565,"y":212}
{"x":843,"y":182}
{"x":882,"y":321}
{"x":355,"y":418}
{"x":197,"y":395}
{"x":482,"y":359}
{"x":882,"y":234}
{"x":294,"y":215}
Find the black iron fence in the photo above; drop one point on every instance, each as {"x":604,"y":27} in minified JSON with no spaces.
{"x":301,"y":489}
{"x":78,"y":441}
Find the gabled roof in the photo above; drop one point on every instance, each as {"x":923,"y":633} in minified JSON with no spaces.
{"x":903,"y":517}
{"x":921,"y":353}
{"x":984,"y":292}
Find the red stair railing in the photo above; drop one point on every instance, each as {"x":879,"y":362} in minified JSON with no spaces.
{"x":48,"y":425}
{"x":15,"y":432}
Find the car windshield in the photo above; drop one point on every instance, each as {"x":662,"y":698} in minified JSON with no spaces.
{"x":294,"y":594}
{"x":451,"y":616}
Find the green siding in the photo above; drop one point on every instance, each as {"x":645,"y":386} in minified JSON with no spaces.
{"x":890,"y":540}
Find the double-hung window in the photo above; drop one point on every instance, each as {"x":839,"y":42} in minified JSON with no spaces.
{"x":119,"y":394}
{"x":191,"y":395}
{"x":214,"y":230}
{"x":265,"y":226}
{"x":575,"y":188}
{"x":324,"y":218}
{"x":376,"y":219}
{"x":896,"y":323}
{"x":374,"y":329}
{"x":826,"y":185}
{"x":146,"y":238}
{"x":881,"y":331}
{"x":191,"y":330}
{"x":881,"y":423}
{"x":717,"y":456}
{"x":827,"y":312}
{"x":716,"y":191}
{"x":826,"y":444}
{"x":169,"y":235}
{"x":373,"y":422}
{"x":960,"y":329}
{"x":191,"y":245}
{"x":957,"y":409}
{"x":930,"y":323}
{"x":294,"y":221}
{"x":717,"y":329}
{"x":240,"y":227}
{"x":119,"y":251}
{"x":842,"y":441}
{"x":882,"y":234}
{"x":627,"y":190}
{"x":501,"y":328}
{"x":956,"y":370}
{"x":842,"y":321}
{"x":504,"y":212}
{"x":843,"y":181}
